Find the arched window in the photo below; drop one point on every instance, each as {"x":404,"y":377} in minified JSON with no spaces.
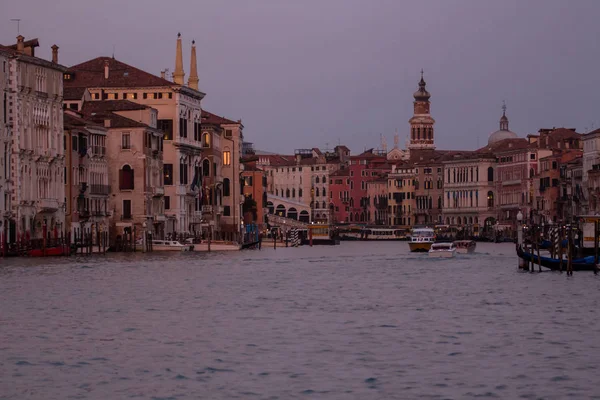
{"x":490,"y":174}
{"x":206,"y":168}
{"x":287,"y":193}
{"x":324,"y":206}
{"x":126,"y":178}
{"x":317,"y":179}
{"x":351,"y":217}
{"x":300,"y":192}
{"x":490,"y":199}
{"x":324,"y":192}
{"x":531,"y":173}
{"x":293,"y":192}
{"x":206,"y":139}
{"x":226,"y":189}
{"x":439,"y":203}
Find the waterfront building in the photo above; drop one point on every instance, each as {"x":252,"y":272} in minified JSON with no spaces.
{"x":33,"y":110}
{"x":87,"y":188}
{"x":231,"y":170}
{"x":339,"y":195}
{"x":134,"y":151}
{"x":179,"y":118}
{"x":590,"y":162}
{"x":364,"y":168}
{"x":377,"y":201}
{"x":255,"y":190}
{"x":574,"y":202}
{"x":299,"y":184}
{"x":401,"y":196}
{"x":549,"y":199}
{"x":470,"y":191}
{"x":470,"y":183}
{"x":5,"y":146}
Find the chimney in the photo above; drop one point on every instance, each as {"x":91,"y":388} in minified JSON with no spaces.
{"x":107,"y":123}
{"x":193,"y":81}
{"x":163,"y":74}
{"x":55,"y":54}
{"x":20,"y":44}
{"x":105,"y":69}
{"x":179,"y":75}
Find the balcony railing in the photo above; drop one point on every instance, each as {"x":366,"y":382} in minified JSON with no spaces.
{"x":48,"y":204}
{"x":207,"y":209}
{"x":157,"y":191}
{"x":99,"y":150}
{"x":100,"y":189}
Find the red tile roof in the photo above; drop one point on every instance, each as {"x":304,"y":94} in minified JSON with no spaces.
{"x":210,"y":118}
{"x":112,"y":105}
{"x":73,"y":93}
{"x":98,"y":111}
{"x":91,"y":74}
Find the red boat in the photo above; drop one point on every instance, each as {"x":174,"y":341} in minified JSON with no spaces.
{"x":49,"y":251}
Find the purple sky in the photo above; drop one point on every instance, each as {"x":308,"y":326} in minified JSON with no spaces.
{"x":309,"y":73}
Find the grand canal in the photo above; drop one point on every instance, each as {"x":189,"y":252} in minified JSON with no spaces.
{"x":356,"y":321}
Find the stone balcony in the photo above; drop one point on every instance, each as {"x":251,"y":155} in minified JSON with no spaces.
{"x":48,"y":205}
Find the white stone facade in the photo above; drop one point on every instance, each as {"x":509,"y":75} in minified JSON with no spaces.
{"x":37,"y":160}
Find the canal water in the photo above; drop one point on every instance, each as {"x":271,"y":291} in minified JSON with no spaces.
{"x":356,"y":321}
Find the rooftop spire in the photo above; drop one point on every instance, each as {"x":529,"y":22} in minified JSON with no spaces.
{"x":193,"y":81}
{"x":504,"y":118}
{"x":422,"y":94}
{"x":179,"y":75}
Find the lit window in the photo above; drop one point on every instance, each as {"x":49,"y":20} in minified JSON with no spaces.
{"x":226,"y":158}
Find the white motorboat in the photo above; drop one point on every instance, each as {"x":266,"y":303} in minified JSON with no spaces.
{"x":169,"y":245}
{"x":442,"y":250}
{"x":465,"y":246}
{"x":215,"y":245}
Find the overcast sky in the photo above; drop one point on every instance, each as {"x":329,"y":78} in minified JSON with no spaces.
{"x":313,"y":73}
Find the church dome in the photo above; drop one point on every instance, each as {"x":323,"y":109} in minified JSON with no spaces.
{"x":503,"y":132}
{"x":501,"y":135}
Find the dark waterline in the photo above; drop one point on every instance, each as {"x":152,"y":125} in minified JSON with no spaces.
{"x":356,"y":321}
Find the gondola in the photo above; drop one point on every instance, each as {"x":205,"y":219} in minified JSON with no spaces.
{"x":579,"y":264}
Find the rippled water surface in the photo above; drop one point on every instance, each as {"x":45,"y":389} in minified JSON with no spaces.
{"x":356,"y":321}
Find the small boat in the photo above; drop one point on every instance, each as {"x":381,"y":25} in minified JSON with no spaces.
{"x":442,"y":250}
{"x":382,"y":234}
{"x":169,"y":245}
{"x":579,"y":264}
{"x":49,"y":251}
{"x":215,"y":245}
{"x":421,"y":240}
{"x":465,"y":246}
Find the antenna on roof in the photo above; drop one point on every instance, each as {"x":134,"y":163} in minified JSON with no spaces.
{"x":113,"y":51}
{"x":18,"y":21}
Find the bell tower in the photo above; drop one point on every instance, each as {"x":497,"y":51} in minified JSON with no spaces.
{"x":421,"y":123}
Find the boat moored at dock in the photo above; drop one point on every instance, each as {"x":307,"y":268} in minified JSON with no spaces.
{"x":169,"y":245}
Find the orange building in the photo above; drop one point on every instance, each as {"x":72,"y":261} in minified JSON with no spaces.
{"x":254,"y":187}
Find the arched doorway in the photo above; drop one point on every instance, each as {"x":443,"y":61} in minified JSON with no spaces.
{"x":304,"y":216}
{"x":271,"y":207}
{"x":280,"y":210}
{"x":292,"y":213}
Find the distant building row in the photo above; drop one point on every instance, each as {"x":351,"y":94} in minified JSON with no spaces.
{"x":478,"y":191}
